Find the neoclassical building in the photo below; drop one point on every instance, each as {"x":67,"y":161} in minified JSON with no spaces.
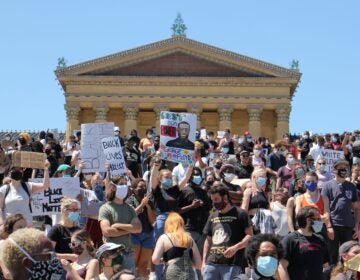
{"x":223,"y":88}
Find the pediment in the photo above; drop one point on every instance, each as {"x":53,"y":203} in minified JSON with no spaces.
{"x":177,"y":56}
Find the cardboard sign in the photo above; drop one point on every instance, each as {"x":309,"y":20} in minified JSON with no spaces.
{"x":330,"y":157}
{"x":28,"y":159}
{"x":114,"y":155}
{"x":223,"y":157}
{"x":177,"y":136}
{"x":47,"y":202}
{"x":92,"y":154}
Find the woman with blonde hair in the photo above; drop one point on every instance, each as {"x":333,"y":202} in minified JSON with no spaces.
{"x":177,"y":250}
{"x":86,"y":266}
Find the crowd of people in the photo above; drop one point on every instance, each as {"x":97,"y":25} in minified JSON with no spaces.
{"x":245,"y":209}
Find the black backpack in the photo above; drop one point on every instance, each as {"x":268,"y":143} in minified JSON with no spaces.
{"x":24,"y":186}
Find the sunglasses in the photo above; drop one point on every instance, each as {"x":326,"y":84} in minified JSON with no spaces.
{"x":74,"y":244}
{"x":321,"y":163}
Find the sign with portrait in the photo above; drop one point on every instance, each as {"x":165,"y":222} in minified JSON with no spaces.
{"x":177,"y":136}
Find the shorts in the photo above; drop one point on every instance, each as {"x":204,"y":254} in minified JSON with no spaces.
{"x":144,"y":239}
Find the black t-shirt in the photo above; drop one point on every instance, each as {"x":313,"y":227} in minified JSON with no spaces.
{"x":166,"y":200}
{"x":306,"y":256}
{"x":225,"y":231}
{"x":143,"y":215}
{"x":243,"y":171}
{"x":62,"y":236}
{"x":196,"y":218}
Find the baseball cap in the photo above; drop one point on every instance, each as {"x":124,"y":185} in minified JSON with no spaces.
{"x":107,"y":247}
{"x":340,"y":161}
{"x":346,"y":246}
{"x":63,"y":167}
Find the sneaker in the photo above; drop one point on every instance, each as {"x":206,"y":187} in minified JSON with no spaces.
{"x":152,"y":276}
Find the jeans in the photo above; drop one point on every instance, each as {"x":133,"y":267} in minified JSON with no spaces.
{"x":221,"y":271}
{"x":158,"y":231}
{"x":342,"y":234}
{"x":128,"y":262}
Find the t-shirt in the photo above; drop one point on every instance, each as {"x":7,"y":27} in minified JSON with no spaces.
{"x":305,"y":254}
{"x":17,"y":201}
{"x":118,"y":213}
{"x":143,"y":215}
{"x":196,"y":218}
{"x":276,"y":161}
{"x":285,"y":174}
{"x":243,"y":171}
{"x":62,"y":236}
{"x":167,"y":200}
{"x":341,"y":196}
{"x":226,"y":230}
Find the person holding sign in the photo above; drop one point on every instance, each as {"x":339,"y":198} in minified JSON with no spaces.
{"x":15,"y":197}
{"x":182,"y":141}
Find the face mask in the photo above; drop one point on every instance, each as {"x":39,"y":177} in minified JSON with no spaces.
{"x":218,"y":165}
{"x":299,"y":172}
{"x":311,"y":186}
{"x":249,"y":139}
{"x":210,"y":183}
{"x":306,"y":136}
{"x":334,"y":139}
{"x":260,"y":181}
{"x":78,"y":250}
{"x":317,"y":226}
{"x":321,"y":168}
{"x":66,"y":176}
{"x":219,"y":205}
{"x":74,"y":216}
{"x":166,"y":182}
{"x":149,"y":136}
{"x":266,"y":266}
{"x":121,"y":191}
{"x":99,"y":192}
{"x":196,"y":180}
{"x":16,"y":175}
{"x":46,"y":270}
{"x":257,"y":152}
{"x":225,"y":150}
{"x":353,"y":263}
{"x":291,"y":161}
{"x":140,"y":192}
{"x":22,"y":141}
{"x":228,"y":177}
{"x":342,"y":172}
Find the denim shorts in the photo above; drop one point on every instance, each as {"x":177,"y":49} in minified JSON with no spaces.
{"x":144,"y":239}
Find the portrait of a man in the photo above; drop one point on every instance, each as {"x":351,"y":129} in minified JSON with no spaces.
{"x":182,"y":141}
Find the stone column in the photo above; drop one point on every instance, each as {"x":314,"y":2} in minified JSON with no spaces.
{"x":101,"y":111}
{"x":157,"y":109}
{"x":254,"y":113}
{"x":131,"y":113}
{"x":225,"y":112}
{"x":195,"y":109}
{"x":282,"y":125}
{"x":72,"y":118}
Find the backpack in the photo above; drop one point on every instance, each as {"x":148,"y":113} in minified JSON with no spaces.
{"x":24,"y":186}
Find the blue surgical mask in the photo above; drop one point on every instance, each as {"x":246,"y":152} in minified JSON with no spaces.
{"x":260,"y":181}
{"x":66,"y":176}
{"x":73,"y":216}
{"x":166,"y":183}
{"x":317,"y":226}
{"x":196,"y":180}
{"x":266,"y":265}
{"x":225,"y":150}
{"x":299,"y":172}
{"x":311,"y":186}
{"x":249,"y":139}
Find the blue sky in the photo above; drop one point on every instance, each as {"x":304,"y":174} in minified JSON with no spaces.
{"x":323,"y":35}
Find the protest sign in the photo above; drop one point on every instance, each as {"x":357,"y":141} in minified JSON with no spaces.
{"x":114,"y":155}
{"x":92,"y":154}
{"x":28,"y":159}
{"x":222,"y":156}
{"x":220,"y":134}
{"x":330,"y":157}
{"x":47,"y":202}
{"x":203,"y":134}
{"x":177,"y":136}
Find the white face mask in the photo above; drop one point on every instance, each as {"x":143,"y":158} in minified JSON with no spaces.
{"x":121,"y":191}
{"x":228,"y":177}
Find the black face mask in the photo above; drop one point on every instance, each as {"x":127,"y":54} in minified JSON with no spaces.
{"x":140,"y":192}
{"x":341,"y":172}
{"x":22,"y":141}
{"x":16,"y":175}
{"x":210,"y":183}
{"x":218,"y":165}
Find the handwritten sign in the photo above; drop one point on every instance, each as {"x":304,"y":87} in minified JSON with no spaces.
{"x":114,"y":155}
{"x":223,"y":157}
{"x":28,"y":159}
{"x":177,"y":136}
{"x":47,"y":202}
{"x":330,"y":157}
{"x":203,"y":134}
{"x":91,"y":151}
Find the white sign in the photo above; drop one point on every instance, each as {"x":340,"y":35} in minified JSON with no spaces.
{"x":47,"y":202}
{"x":330,"y":157}
{"x":92,"y":154}
{"x":114,"y":155}
{"x":220,"y":134}
{"x":203,"y":134}
{"x":177,"y":136}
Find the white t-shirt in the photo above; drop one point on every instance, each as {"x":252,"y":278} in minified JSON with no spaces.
{"x":179,"y":172}
{"x":279,"y":213}
{"x":17,"y":202}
